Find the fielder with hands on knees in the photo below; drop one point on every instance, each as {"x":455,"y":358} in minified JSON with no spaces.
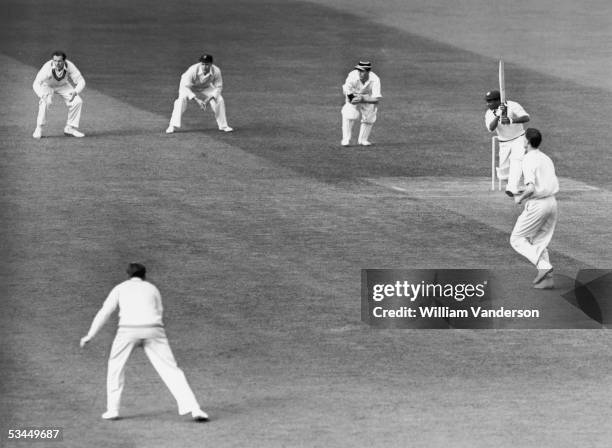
{"x":60,"y":76}
{"x":535,"y":226}
{"x":140,"y":324}
{"x":507,"y":120}
{"x":200,"y":80}
{"x":362,"y":93}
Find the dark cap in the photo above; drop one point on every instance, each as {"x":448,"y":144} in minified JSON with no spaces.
{"x":364,"y":66}
{"x":492,"y":95}
{"x":206,"y":58}
{"x":136,"y":270}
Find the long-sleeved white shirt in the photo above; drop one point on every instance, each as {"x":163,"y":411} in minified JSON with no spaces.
{"x":195,"y":79}
{"x":353,"y":84}
{"x":539,"y":170}
{"x":510,"y":131}
{"x":48,"y":77}
{"x":139,"y":302}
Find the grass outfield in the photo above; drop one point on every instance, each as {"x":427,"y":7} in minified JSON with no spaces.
{"x":256,"y":239}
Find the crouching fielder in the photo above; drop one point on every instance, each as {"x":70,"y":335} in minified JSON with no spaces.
{"x":362,"y":94}
{"x":200,"y":80}
{"x":60,"y":76}
{"x":140,"y":324}
{"x":535,"y":226}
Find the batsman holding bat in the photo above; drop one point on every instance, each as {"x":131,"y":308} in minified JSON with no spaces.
{"x":507,"y":119}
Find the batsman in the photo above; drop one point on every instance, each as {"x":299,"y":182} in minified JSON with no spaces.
{"x":507,"y":119}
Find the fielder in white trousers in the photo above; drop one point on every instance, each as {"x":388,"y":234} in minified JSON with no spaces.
{"x":535,"y":226}
{"x":60,"y":76}
{"x":157,"y":349}
{"x":140,"y":324}
{"x":210,"y":96}
{"x":202,"y":83}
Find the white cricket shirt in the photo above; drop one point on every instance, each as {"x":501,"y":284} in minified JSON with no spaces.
{"x":195,"y":79}
{"x":48,"y":76}
{"x":353,"y":84}
{"x":139,"y":303}
{"x":539,"y":170}
{"x":507,"y":132}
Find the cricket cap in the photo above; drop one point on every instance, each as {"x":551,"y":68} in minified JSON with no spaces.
{"x":364,"y":66}
{"x":206,"y":58}
{"x":492,"y":95}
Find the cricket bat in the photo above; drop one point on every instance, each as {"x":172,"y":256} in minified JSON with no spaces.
{"x":502,"y":82}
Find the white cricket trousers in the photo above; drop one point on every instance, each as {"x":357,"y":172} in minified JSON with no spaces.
{"x":534,"y":229}
{"x":353,"y":112}
{"x":74,"y":107}
{"x":511,"y":155}
{"x":217,"y":104}
{"x":157,"y":349}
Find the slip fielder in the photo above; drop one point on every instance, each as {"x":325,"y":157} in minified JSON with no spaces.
{"x":60,"y":76}
{"x":203,"y":83}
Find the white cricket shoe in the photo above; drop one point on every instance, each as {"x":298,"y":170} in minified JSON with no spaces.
{"x":110,"y":415}
{"x":37,"y":132}
{"x":170,"y":130}
{"x":199,"y":415}
{"x":542,"y":274}
{"x":69,"y":130}
{"x":345,"y":142}
{"x":546,"y":283}
{"x":226,"y":129}
{"x":365,"y":143}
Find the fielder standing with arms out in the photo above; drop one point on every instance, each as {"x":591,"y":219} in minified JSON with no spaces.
{"x":200,"y":80}
{"x":140,"y":323}
{"x":362,"y":94}
{"x":535,"y":226}
{"x":507,"y":120}
{"x":60,"y":76}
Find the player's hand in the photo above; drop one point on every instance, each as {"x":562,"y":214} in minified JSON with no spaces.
{"x":73,"y":95}
{"x":84,"y":341}
{"x":201,"y":103}
{"x":518,"y":199}
{"x":357,"y":99}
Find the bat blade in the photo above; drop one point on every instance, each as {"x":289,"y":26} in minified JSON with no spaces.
{"x":502,"y":82}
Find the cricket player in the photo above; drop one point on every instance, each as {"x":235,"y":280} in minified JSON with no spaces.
{"x":60,"y":76}
{"x":362,"y":94}
{"x":507,"y":119}
{"x":202,"y":82}
{"x":535,"y":226}
{"x":140,"y":324}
